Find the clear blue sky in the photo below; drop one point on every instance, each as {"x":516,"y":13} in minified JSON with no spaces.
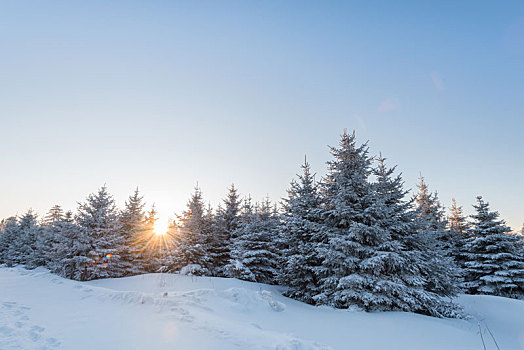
{"x":162,"y":94}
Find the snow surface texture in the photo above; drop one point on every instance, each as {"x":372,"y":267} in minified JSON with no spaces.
{"x":39,"y":310}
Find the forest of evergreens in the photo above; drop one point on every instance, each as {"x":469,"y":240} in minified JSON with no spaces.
{"x":354,"y":238}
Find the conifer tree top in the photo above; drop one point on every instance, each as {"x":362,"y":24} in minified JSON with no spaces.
{"x":485,"y":221}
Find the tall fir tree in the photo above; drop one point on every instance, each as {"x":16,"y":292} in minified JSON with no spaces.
{"x":432,"y":218}
{"x":458,"y":228}
{"x":100,"y":236}
{"x":493,"y":258}
{"x":226,"y":222}
{"x":66,"y":245}
{"x":234,"y":267}
{"x":9,"y":232}
{"x":135,"y":234}
{"x":50,"y":237}
{"x":24,"y":249}
{"x":348,"y":215}
{"x":375,"y":258}
{"x":441,"y":243}
{"x":411,"y":266}
{"x":195,"y":229}
{"x":304,"y":236}
{"x":255,"y":253}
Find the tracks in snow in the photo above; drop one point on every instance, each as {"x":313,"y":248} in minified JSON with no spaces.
{"x":18,"y":332}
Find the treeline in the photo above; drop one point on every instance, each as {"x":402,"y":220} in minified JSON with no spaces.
{"x":352,"y":239}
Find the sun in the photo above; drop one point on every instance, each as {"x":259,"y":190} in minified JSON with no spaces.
{"x":160,"y":228}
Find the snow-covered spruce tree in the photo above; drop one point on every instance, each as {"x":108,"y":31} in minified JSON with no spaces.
{"x":375,"y":259}
{"x":256,"y":244}
{"x":50,"y":237}
{"x":234,"y":267}
{"x":441,"y":243}
{"x":100,"y":234}
{"x":304,"y":236}
{"x":24,"y":248}
{"x":135,"y":233}
{"x":493,"y":258}
{"x":195,"y":229}
{"x":458,"y":227}
{"x":432,"y":217}
{"x":347,"y":212}
{"x":226,"y":222}
{"x":66,"y":245}
{"x":404,"y":275}
{"x":10,"y":231}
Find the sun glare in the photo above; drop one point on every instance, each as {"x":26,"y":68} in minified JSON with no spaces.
{"x":160,"y":228}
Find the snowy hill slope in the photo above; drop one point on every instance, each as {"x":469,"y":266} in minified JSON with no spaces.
{"x":39,"y":310}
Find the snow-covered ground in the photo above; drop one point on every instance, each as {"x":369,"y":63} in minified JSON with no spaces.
{"x":39,"y":310}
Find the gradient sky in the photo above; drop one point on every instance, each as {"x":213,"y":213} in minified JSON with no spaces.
{"x":162,"y":94}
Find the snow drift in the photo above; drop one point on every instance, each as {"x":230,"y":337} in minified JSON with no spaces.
{"x":39,"y":310}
